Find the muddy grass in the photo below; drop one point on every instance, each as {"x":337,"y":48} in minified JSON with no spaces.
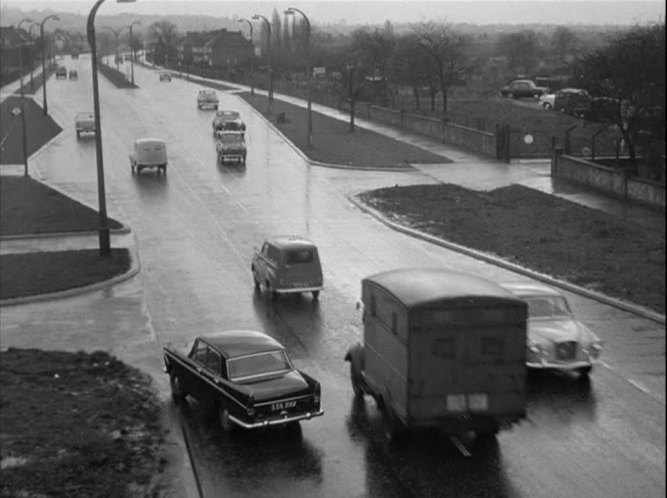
{"x":77,"y":424}
{"x":542,"y":232}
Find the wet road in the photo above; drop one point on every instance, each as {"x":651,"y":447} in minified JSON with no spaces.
{"x":196,"y":228}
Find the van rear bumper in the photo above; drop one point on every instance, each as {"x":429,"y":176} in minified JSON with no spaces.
{"x":295,"y":290}
{"x":467,"y":422}
{"x":546,"y":365}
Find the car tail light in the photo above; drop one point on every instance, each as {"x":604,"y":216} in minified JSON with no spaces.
{"x":316,"y":395}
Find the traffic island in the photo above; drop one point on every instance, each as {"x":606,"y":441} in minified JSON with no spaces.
{"x":37,"y":81}
{"x":550,"y":235}
{"x":39,"y":129}
{"x":115,"y":77}
{"x":333,"y":144}
{"x":79,"y":424}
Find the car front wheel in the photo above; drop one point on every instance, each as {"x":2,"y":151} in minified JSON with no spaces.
{"x":177,"y":391}
{"x":585,"y":371}
{"x":547,"y":106}
{"x":225,"y":422}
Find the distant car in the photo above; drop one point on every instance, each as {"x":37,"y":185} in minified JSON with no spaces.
{"x":207,"y":98}
{"x":73,"y":74}
{"x":556,"y":339}
{"x":230,"y":145}
{"x":522,"y":88}
{"x":148,"y":153}
{"x":165,"y":76}
{"x":84,"y":123}
{"x":287,"y":264}
{"x":547,"y":100}
{"x":246,"y":377}
{"x":573,"y":101}
{"x":61,"y":72}
{"x":75,"y":55}
{"x":227,"y":121}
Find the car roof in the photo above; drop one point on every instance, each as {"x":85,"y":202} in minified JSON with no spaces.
{"x":88,"y":114}
{"x":227,"y":113}
{"x":521,"y":81}
{"x":291,"y":241}
{"x":206,"y":90}
{"x":242,"y":342}
{"x":523,"y":289}
{"x":148,"y":141}
{"x":416,"y":287}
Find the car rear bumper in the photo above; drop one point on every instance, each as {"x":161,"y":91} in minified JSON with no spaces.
{"x":276,"y":421}
{"x":298,"y":289}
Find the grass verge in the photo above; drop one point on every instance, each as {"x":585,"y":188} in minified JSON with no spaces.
{"x":118,"y":79}
{"x":584,"y":246}
{"x":77,"y":424}
{"x":39,"y":129}
{"x":30,"y":274}
{"x":30,"y":207}
{"x":333,"y":143}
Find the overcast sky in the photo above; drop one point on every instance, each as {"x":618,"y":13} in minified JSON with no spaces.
{"x":365,"y":11}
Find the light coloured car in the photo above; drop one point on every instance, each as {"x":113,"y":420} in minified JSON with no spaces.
{"x":556,"y":339}
{"x":165,"y":75}
{"x":84,"y":123}
{"x":230,"y":145}
{"x":287,"y":264}
{"x":547,"y":100}
{"x":148,"y":153}
{"x":207,"y":98}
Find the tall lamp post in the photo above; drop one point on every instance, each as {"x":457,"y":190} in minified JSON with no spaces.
{"x":24,"y":137}
{"x":32,"y":64}
{"x":103,"y":229}
{"x":268,"y":51}
{"x":132,"y":49}
{"x":116,"y":33}
{"x":292,"y":11}
{"x":45,"y":109}
{"x":252,"y":57}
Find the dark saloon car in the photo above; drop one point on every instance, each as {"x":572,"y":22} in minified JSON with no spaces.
{"x":61,"y":72}
{"x":523,"y":88}
{"x":246,"y":376}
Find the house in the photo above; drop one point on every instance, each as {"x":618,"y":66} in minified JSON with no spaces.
{"x":218,"y":48}
{"x":10,"y":43}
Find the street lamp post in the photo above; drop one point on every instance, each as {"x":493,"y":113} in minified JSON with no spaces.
{"x":103,"y":229}
{"x":132,"y":49}
{"x":116,"y":33}
{"x":45,"y":110}
{"x":268,"y":51}
{"x":32,"y":64}
{"x":291,"y":11}
{"x":252,"y":57}
{"x":24,"y":138}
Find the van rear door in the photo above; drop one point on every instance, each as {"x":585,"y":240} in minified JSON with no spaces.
{"x":302,"y":267}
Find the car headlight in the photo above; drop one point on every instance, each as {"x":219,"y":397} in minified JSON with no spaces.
{"x":456,"y":402}
{"x":595,"y":349}
{"x":534,"y":348}
{"x":250,"y":411}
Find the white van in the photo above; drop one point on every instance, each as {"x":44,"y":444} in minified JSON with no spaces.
{"x":148,"y":153}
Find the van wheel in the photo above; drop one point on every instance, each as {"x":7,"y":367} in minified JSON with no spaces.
{"x":316,"y":295}
{"x":223,"y":416}
{"x":585,"y":371}
{"x":355,"y":379}
{"x":393,"y":427}
{"x":255,"y":282}
{"x":274,"y":294}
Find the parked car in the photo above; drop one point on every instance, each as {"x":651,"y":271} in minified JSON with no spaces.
{"x":522,"y":88}
{"x":75,"y":55}
{"x":207,"y":98}
{"x":287,"y":264}
{"x":148,"y":153}
{"x":246,"y":376}
{"x":61,"y":72}
{"x":165,"y":76}
{"x":73,"y":74}
{"x":547,"y":100}
{"x":84,"y":123}
{"x":227,"y":121}
{"x":230,"y":145}
{"x":556,"y":339}
{"x":573,"y":101}
{"x":441,"y":349}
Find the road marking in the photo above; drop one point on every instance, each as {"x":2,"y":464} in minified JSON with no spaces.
{"x":633,"y":383}
{"x":639,"y":386}
{"x":242,"y":207}
{"x":460,"y":446}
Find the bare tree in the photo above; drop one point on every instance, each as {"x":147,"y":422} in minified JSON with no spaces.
{"x":376,"y":47}
{"x":521,"y":50}
{"x":563,"y":42}
{"x":446,"y":51}
{"x":350,"y":86}
{"x":163,"y":34}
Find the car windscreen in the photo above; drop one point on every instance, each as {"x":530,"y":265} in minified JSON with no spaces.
{"x":547,"y":307}
{"x":299,"y":256}
{"x":230,"y":138}
{"x":256,"y":365}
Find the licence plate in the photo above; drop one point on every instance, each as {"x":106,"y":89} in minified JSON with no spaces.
{"x":284,"y":405}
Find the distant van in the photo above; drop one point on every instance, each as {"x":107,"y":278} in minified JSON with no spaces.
{"x":148,"y":153}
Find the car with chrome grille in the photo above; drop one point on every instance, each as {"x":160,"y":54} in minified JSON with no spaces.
{"x":556,"y":339}
{"x":84,"y":123}
{"x":207,"y":98}
{"x":245,"y":377}
{"x":228,"y":121}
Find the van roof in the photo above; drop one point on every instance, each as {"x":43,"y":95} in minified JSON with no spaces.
{"x":420,"y":286}
{"x":523,"y":289}
{"x":148,"y":141}
{"x":283,"y":241}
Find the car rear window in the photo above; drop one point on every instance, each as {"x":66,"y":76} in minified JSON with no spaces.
{"x":299,"y":256}
{"x":258,"y":364}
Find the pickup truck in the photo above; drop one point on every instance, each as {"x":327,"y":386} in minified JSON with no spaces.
{"x":442,"y":349}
